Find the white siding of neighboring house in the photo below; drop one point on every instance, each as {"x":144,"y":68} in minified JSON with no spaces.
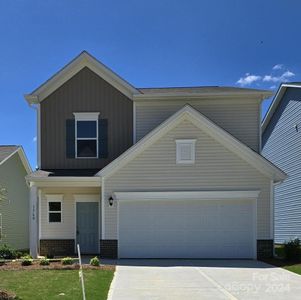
{"x":216,"y":168}
{"x":15,"y":208}
{"x":65,"y":229}
{"x":240,"y":117}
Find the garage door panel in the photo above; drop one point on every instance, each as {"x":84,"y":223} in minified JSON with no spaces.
{"x":186,"y":229}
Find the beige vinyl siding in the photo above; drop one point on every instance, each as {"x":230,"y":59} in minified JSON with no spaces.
{"x":65,"y":229}
{"x":15,"y":209}
{"x":216,"y":168}
{"x":240,"y":117}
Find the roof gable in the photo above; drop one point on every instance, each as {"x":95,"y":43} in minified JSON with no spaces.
{"x":276,"y":100}
{"x":202,"y":122}
{"x":83,"y":60}
{"x":6,"y":152}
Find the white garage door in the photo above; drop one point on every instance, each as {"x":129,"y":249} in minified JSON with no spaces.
{"x":186,"y":229}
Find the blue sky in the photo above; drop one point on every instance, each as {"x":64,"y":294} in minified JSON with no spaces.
{"x":149,"y":43}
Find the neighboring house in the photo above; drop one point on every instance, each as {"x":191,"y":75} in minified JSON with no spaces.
{"x":149,"y":172}
{"x":281,"y":129}
{"x":14,"y":209}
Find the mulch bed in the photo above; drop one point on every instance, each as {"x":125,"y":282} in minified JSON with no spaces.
{"x":16,"y":265}
{"x":7,"y":295}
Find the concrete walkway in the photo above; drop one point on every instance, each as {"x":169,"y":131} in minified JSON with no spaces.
{"x":202,"y":279}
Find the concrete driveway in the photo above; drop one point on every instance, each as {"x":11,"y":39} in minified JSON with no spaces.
{"x":202,"y":279}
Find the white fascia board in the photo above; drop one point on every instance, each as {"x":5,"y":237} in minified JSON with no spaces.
{"x":202,"y":122}
{"x":8,"y":157}
{"x":234,"y":145}
{"x":31,"y":99}
{"x":186,"y":195}
{"x":64,"y":181}
{"x":142,"y":144}
{"x":225,"y":95}
{"x":24,"y":160}
{"x":22,"y":157}
{"x":278,"y":97}
{"x":77,"y":64}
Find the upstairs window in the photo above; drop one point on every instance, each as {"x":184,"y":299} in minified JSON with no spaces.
{"x":185,"y":151}
{"x":86,"y":135}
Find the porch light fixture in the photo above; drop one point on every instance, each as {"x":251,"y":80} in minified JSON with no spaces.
{"x":111,"y":201}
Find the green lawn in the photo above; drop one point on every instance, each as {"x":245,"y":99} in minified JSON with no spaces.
{"x":283,"y":263}
{"x":48,"y":284}
{"x":296,"y":268}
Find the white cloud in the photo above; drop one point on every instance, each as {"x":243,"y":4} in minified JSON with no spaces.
{"x":278,"y":67}
{"x":282,"y":78}
{"x":273,"y":87}
{"x":248,"y":79}
{"x":34,"y":139}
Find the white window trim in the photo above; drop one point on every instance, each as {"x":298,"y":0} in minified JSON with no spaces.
{"x":86,"y":117}
{"x":54,"y":198}
{"x":178,"y":158}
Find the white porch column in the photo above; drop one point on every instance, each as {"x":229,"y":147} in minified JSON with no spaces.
{"x":33,"y":220}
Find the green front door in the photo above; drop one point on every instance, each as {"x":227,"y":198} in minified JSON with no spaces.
{"x":87,"y":227}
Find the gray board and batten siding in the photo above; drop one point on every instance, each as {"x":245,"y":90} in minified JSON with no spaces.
{"x":84,"y":92}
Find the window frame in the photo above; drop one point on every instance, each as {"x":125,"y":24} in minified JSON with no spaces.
{"x":82,"y":117}
{"x":181,"y":142}
{"x":54,"y":198}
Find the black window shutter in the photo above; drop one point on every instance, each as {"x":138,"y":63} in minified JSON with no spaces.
{"x":70,"y":138}
{"x":103,"y":138}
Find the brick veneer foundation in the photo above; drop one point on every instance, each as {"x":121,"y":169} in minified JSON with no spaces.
{"x":108,"y":248}
{"x":265,"y":248}
{"x":57,"y":247}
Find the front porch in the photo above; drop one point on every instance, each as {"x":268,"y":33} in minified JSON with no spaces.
{"x":65,"y":211}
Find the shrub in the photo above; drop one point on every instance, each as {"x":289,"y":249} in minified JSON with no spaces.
{"x":292,"y":249}
{"x":44,"y":262}
{"x":50,"y":255}
{"x":7,"y":252}
{"x":21,"y":253}
{"x":67,"y":261}
{"x":26,"y":260}
{"x":94,"y":261}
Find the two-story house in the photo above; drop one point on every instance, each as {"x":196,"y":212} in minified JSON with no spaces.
{"x":148,"y":172}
